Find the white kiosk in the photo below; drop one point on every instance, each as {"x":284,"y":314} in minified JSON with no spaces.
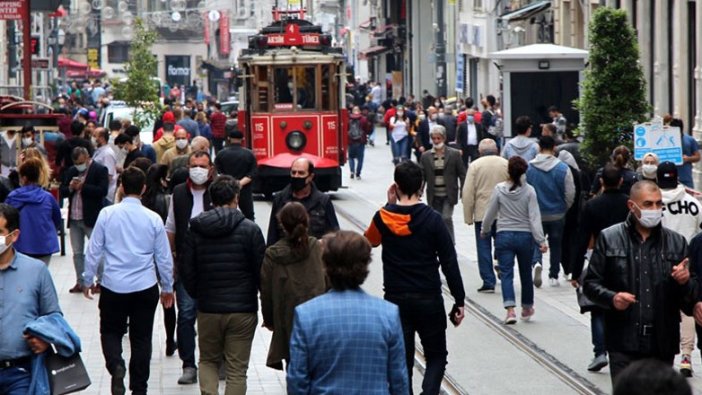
{"x":535,"y":77}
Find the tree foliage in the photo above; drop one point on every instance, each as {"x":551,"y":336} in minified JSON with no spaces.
{"x":614,"y":89}
{"x":139,"y":91}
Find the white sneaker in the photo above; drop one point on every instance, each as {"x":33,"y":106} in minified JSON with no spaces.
{"x":537,"y":275}
{"x":553,"y":282}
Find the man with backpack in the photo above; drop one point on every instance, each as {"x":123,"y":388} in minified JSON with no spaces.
{"x":359,"y":129}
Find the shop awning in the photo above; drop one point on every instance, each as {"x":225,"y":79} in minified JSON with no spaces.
{"x":365,"y":25}
{"x":70,"y":63}
{"x":373,"y":51}
{"x":526,"y":12}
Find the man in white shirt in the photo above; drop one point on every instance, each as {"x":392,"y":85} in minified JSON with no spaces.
{"x":105,"y":156}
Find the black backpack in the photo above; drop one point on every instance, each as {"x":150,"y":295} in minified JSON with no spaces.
{"x":355,"y":132}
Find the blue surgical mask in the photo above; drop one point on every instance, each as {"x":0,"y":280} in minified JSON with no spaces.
{"x":81,"y":168}
{"x":470,"y":119}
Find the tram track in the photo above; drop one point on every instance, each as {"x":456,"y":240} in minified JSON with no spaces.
{"x":547,"y":361}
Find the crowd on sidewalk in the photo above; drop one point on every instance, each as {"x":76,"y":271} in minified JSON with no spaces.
{"x":173,"y":223}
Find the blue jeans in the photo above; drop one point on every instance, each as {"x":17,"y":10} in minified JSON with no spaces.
{"x":356,"y":151}
{"x":598,"y":332}
{"x":185,"y":331}
{"x":554,"y":232}
{"x":484,"y":247}
{"x":15,"y":380}
{"x":400,"y":149}
{"x":509,"y":245}
{"x":424,"y":315}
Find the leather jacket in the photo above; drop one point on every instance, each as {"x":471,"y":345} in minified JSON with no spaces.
{"x":614,"y":268}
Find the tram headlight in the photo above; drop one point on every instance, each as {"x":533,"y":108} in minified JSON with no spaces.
{"x":295,"y":140}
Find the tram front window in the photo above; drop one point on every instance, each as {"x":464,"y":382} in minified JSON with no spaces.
{"x":294,"y":88}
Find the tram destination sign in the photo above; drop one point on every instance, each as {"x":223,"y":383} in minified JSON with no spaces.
{"x":291,"y":37}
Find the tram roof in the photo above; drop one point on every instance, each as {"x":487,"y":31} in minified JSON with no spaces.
{"x":286,"y":56}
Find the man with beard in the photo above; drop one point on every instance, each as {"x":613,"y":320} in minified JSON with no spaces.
{"x":302,"y":189}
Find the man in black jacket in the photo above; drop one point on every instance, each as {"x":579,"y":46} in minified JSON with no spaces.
{"x":468,"y":137}
{"x":85,"y":184}
{"x":239,"y":162}
{"x":302,"y":189}
{"x":220,"y":267}
{"x":639,"y":274}
{"x":189,"y":200}
{"x":416,"y":243}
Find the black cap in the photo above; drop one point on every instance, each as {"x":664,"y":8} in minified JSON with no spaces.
{"x":667,"y":175}
{"x":236,"y":134}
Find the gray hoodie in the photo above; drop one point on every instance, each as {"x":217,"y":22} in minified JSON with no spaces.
{"x":516,"y":210}
{"x":522,"y":146}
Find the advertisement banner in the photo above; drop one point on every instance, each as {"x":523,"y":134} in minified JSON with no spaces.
{"x":178,"y":70}
{"x":460,"y":72}
{"x":11,"y":10}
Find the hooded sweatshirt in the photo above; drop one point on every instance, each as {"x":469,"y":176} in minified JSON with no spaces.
{"x":553,"y":182}
{"x":515,"y":210}
{"x":288,"y":278}
{"x":521,"y":146}
{"x":412,"y":238}
{"x":681,"y":212}
{"x":221,"y":261}
{"x":40,"y":219}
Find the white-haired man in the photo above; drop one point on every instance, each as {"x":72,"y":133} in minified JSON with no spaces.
{"x":443,"y":171}
{"x":483,"y":174}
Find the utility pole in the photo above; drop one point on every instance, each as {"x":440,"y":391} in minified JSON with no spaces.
{"x":27,"y":49}
{"x":440,"y":49}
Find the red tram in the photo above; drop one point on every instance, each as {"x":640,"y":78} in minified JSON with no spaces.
{"x":292,"y":101}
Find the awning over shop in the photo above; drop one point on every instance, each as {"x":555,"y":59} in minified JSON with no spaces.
{"x":373,"y":51}
{"x":70,"y":63}
{"x":365,"y":25}
{"x":526,"y":12}
{"x":213,"y":64}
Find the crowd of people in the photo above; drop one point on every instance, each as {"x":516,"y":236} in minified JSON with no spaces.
{"x":173,"y":222}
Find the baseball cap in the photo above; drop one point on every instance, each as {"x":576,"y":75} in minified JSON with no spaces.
{"x":667,"y":175}
{"x":168,"y":117}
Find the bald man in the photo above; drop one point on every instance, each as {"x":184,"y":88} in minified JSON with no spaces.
{"x":639,"y":275}
{"x":302,"y":189}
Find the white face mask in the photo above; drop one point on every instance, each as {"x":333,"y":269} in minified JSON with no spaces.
{"x":434,"y":117}
{"x":649,"y":171}
{"x":94,"y":141}
{"x":27,"y":141}
{"x":199,"y":175}
{"x":650,"y":218}
{"x":439,"y":145}
{"x":3,"y":246}
{"x":181,"y":143}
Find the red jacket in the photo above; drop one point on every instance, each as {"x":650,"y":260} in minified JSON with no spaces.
{"x":217,"y":122}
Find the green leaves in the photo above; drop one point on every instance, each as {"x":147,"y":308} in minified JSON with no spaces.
{"x":139,"y":90}
{"x":613,"y":92}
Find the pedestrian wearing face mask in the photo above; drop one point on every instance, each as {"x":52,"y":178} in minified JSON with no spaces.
{"x":639,"y":275}
{"x":649,"y":166}
{"x":444,"y":173}
{"x":85,"y":185}
{"x":470,"y":133}
{"x":129,"y":149}
{"x":401,"y":131}
{"x":189,"y":200}
{"x":302,"y":189}
{"x":422,"y":140}
{"x":182,"y":147}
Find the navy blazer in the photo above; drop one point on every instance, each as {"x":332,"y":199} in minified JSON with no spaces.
{"x":347,"y":342}
{"x":93,"y":192}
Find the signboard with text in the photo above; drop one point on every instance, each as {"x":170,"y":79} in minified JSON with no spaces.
{"x":178,"y":70}
{"x":292,"y":36}
{"x":664,"y":141}
{"x":94,"y":58}
{"x":11,"y":10}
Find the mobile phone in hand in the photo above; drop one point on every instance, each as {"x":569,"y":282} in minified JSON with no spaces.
{"x":452,"y":315}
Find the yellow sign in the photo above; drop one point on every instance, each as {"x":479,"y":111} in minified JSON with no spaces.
{"x":94,"y":58}
{"x":294,"y":3}
{"x":452,"y":2}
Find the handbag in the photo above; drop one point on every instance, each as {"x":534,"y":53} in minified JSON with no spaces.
{"x":66,"y":374}
{"x":584,"y":303}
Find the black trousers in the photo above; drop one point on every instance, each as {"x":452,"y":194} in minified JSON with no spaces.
{"x":426,"y":316}
{"x":246,"y":203}
{"x":470,"y":154}
{"x":619,"y":361}
{"x":137,"y":308}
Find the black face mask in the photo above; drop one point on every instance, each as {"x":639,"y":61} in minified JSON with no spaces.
{"x":298,"y":183}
